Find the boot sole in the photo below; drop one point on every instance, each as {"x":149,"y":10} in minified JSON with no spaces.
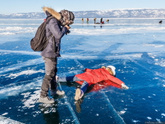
{"x":77,"y":94}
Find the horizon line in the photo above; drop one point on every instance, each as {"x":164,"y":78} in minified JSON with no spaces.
{"x":93,"y":10}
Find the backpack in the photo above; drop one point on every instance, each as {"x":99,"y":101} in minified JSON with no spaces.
{"x":40,"y":40}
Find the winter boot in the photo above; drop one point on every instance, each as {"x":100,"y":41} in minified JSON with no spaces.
{"x":57,"y":92}
{"x":79,"y":94}
{"x":46,"y":100}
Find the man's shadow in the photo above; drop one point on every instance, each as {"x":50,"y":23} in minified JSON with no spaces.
{"x":50,"y":113}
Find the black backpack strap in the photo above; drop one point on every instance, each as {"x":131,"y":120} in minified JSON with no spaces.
{"x":47,"y":21}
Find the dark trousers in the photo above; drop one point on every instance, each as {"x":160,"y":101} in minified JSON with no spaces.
{"x":49,"y":81}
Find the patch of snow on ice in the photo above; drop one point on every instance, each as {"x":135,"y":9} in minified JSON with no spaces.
{"x":31,"y":101}
{"x":27,"y":72}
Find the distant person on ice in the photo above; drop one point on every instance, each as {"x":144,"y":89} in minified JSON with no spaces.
{"x":94,"y":20}
{"x":160,"y":22}
{"x":87,"y":20}
{"x":104,"y":76}
{"x":82,"y":20}
{"x":107,"y":20}
{"x":101,"y":21}
{"x":55,"y":30}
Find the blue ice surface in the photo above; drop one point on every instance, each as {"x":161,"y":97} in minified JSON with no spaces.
{"x":134,"y":46}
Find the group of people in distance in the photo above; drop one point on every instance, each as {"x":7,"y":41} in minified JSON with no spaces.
{"x":92,"y":79}
{"x":95,"y":21}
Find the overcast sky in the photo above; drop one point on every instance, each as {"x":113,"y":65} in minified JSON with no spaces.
{"x":19,"y":6}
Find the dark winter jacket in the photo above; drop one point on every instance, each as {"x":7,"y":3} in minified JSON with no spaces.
{"x":54,"y":33}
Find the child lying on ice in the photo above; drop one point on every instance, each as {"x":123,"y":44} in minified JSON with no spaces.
{"x":104,"y":76}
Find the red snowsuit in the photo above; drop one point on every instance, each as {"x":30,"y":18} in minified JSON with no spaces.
{"x":100,"y":76}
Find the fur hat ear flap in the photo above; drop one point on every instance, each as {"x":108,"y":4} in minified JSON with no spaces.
{"x":52,"y":12}
{"x":103,"y":67}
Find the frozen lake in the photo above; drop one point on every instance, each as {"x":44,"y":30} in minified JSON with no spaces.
{"x":135,"y":47}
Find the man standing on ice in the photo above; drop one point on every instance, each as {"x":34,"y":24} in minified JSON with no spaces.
{"x":55,"y":30}
{"x":95,"y":78}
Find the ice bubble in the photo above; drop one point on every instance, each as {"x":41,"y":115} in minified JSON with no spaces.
{"x":158,"y":120}
{"x":125,"y":108}
{"x":122,"y":112}
{"x":5,"y":113}
{"x":97,"y":114}
{"x":149,"y":118}
{"x":154,"y":94}
{"x":135,"y":121}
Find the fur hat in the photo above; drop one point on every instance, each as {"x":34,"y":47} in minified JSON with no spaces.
{"x":66,"y":16}
{"x":112,"y":68}
{"x":62,"y":16}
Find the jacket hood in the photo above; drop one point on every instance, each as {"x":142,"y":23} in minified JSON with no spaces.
{"x":52,"y":12}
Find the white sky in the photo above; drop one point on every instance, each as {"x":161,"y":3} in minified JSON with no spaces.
{"x":19,"y":6}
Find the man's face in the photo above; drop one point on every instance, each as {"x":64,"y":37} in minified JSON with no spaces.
{"x":68,"y":22}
